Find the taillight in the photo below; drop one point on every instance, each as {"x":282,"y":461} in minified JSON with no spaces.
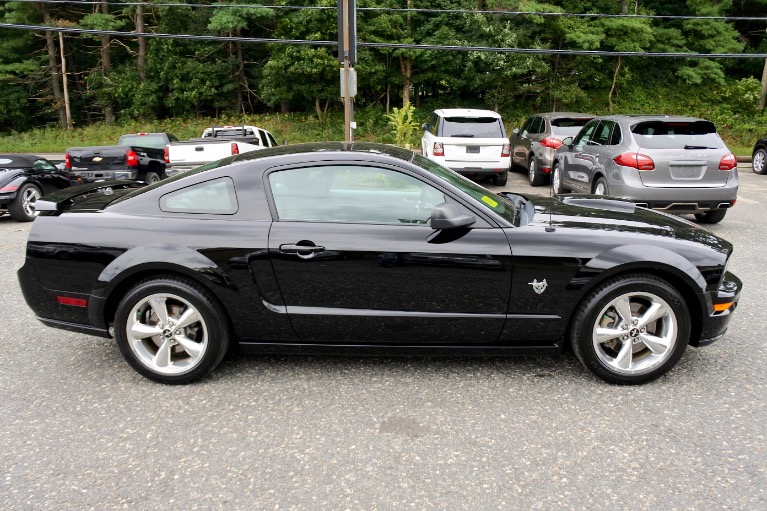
{"x":74,"y":302}
{"x":166,"y":154}
{"x":506,"y":151}
{"x":728,"y":162}
{"x":551,"y":142}
{"x":67,"y":162}
{"x":235,"y":148}
{"x":131,"y":158}
{"x":438,"y":149}
{"x":635,"y":160}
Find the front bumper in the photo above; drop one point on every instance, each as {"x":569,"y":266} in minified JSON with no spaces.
{"x":720,"y":311}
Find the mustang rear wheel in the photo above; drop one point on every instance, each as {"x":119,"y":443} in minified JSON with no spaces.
{"x":171,"y":330}
{"x":631,"y":329}
{"x":22,"y":209}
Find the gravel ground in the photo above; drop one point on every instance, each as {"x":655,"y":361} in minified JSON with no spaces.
{"x":80,"y":430}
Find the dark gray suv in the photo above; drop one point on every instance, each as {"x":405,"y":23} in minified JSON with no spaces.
{"x":674,"y":164}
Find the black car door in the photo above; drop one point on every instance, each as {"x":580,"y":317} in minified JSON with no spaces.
{"x":357,"y":262}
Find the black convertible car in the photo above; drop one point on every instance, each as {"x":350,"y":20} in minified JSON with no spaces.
{"x":25,"y":178}
{"x":370,"y":248}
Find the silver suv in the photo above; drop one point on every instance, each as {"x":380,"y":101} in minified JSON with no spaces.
{"x":673,"y":164}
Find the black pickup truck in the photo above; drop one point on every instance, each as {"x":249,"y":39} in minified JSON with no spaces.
{"x":136,"y":157}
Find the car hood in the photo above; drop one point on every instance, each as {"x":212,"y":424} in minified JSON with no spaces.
{"x":590,"y":212}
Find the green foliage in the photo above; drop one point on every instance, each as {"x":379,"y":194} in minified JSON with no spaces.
{"x":403,"y":126}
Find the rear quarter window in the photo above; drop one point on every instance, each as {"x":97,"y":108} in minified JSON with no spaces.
{"x":216,"y":197}
{"x":677,"y":135}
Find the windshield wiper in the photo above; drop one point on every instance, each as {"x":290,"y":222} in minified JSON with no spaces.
{"x":698,"y":147}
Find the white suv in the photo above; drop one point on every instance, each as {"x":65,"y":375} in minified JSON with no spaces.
{"x":470,"y":142}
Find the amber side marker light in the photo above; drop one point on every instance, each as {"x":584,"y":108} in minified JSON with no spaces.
{"x":721,"y":307}
{"x":74,"y":302}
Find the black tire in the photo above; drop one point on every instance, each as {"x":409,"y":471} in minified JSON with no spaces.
{"x":151,"y":178}
{"x":174,"y":354}
{"x":535,"y":178}
{"x":638,"y":346}
{"x":711,"y":217}
{"x":759,"y":161}
{"x":22,"y":208}
{"x":501,"y":179}
{"x":556,"y":179}
{"x":601,"y":183}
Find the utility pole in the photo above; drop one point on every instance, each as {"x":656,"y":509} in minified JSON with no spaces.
{"x":347,"y":55}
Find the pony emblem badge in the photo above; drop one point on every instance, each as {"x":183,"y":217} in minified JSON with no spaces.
{"x":539,"y":287}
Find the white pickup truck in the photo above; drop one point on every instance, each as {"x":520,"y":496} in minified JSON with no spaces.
{"x":215,"y":143}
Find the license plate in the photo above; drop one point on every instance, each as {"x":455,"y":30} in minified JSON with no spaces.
{"x":682,"y":172}
{"x":472,"y":149}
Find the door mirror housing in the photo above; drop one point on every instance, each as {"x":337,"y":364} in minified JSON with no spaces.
{"x":448,"y":216}
{"x":425,"y":126}
{"x":515,"y":131}
{"x":568,"y":141}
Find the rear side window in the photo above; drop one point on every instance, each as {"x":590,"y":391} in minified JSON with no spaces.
{"x":677,"y":135}
{"x":473,"y":127}
{"x":214,"y":197}
{"x":568,"y":126}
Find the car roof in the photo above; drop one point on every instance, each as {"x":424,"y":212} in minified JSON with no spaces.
{"x":8,"y":161}
{"x":553,"y":115}
{"x":466,"y":112}
{"x":664,"y":118}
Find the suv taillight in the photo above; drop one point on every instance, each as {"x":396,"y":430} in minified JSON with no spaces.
{"x":166,"y":154}
{"x":131,"y":158}
{"x":728,"y":162}
{"x":67,"y":162}
{"x":506,"y":151}
{"x":438,"y":149}
{"x":235,"y":148}
{"x":551,"y":142}
{"x":635,"y":160}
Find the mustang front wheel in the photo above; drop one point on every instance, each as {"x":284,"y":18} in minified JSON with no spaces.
{"x":171,"y":330}
{"x":631,"y":329}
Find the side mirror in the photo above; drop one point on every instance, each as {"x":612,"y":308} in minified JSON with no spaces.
{"x":425,"y":126}
{"x":568,"y":141}
{"x":515,"y":131}
{"x":448,"y":216}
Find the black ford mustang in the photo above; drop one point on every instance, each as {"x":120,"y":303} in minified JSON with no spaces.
{"x":370,"y":248}
{"x":24,"y":179}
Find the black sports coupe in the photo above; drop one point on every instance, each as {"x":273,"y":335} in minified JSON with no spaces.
{"x":25,"y":178}
{"x":370,"y":248}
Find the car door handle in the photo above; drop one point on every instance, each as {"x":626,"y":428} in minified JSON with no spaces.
{"x":301,"y":250}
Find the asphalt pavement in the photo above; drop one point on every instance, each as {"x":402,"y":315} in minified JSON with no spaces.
{"x":81,"y":430}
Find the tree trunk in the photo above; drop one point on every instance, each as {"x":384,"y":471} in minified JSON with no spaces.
{"x":141,"y":57}
{"x":763,"y":93}
{"x":53,"y":68}
{"x":284,"y":107}
{"x":406,"y":66}
{"x":317,"y":107}
{"x":67,"y":111}
{"x":615,"y":81}
{"x":106,"y":67}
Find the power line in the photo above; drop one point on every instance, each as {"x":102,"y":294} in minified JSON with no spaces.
{"x":436,"y":47}
{"x":412,"y":10}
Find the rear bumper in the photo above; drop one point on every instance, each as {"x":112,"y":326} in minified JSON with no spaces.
{"x":95,"y":175}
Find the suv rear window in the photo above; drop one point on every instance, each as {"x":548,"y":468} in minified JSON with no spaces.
{"x":677,"y":135}
{"x":473,"y":127}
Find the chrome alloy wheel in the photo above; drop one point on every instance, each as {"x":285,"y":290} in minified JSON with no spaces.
{"x":28,"y":198}
{"x":531,"y":170}
{"x":635,"y":333}
{"x":167,"y":334}
{"x":556,"y":179}
{"x":758,"y":161}
{"x":600,"y":189}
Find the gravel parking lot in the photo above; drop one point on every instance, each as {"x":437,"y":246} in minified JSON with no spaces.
{"x":81,"y":430}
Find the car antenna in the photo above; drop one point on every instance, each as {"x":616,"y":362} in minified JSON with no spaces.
{"x":549,"y":227}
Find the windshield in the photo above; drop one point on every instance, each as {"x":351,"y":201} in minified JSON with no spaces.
{"x":494,"y":202}
{"x":677,"y":135}
{"x":473,"y":127}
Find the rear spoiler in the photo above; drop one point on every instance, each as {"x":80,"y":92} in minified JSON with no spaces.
{"x":88,"y":197}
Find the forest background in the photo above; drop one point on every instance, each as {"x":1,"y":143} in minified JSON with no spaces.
{"x":73,"y":88}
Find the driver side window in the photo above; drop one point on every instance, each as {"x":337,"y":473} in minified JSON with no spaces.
{"x":585,"y":134}
{"x":352,"y":194}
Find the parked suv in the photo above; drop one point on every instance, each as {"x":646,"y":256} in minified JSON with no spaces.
{"x":533,"y":145}
{"x":759,"y":156}
{"x":470,"y":142}
{"x":674,"y":164}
